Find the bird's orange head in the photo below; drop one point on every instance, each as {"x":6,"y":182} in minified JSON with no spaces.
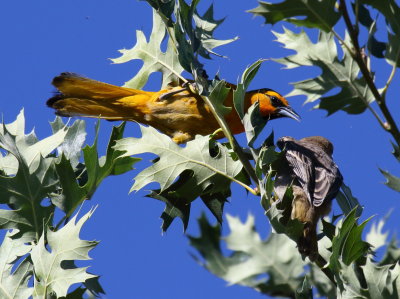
{"x":272,"y":104}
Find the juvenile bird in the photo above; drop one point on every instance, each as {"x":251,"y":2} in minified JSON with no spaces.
{"x":176,"y":111}
{"x":315,"y":180}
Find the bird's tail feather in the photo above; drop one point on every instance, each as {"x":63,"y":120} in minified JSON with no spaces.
{"x":79,"y":96}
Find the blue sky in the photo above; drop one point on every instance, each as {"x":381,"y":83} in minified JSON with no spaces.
{"x":42,"y":38}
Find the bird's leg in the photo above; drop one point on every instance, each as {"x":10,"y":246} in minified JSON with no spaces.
{"x":185,"y":86}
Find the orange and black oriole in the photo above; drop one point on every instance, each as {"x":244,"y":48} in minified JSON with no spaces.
{"x":315,"y":180}
{"x":176,"y":111}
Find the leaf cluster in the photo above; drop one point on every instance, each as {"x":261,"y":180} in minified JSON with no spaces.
{"x":39,"y":178}
{"x":274,"y":267}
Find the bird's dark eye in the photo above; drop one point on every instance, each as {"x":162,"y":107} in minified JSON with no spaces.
{"x":275,"y":101}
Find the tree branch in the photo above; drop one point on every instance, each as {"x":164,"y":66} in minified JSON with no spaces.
{"x":390,"y":125}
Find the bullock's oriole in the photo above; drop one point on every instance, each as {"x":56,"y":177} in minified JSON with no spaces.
{"x":176,"y":112}
{"x":315,"y":179}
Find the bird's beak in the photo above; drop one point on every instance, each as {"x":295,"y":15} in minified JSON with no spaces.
{"x":288,"y":112}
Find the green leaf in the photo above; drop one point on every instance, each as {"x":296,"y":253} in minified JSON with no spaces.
{"x":28,"y":147}
{"x":347,"y":202}
{"x":347,"y":245}
{"x":74,"y":191}
{"x":218,"y":93}
{"x":174,"y":207}
{"x":343,"y":73}
{"x":204,"y":31}
{"x":253,"y":123}
{"x":54,"y":272}
{"x":312,"y":13}
{"x":374,"y":46}
{"x":390,"y":10}
{"x":164,"y":8}
{"x":392,"y":181}
{"x":14,"y":284}
{"x":212,"y":172}
{"x":250,"y":257}
{"x":154,"y":60}
{"x":241,"y":88}
{"x":25,"y":191}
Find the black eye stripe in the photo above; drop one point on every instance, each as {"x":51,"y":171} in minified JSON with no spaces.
{"x":275,"y":101}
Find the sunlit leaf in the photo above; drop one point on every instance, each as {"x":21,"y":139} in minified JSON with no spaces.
{"x":154,"y":60}
{"x":54,"y":272}
{"x":14,"y":283}
{"x":213,"y":172}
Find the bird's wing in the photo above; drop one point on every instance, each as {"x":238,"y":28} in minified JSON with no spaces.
{"x":302,"y":166}
{"x":327,"y":183}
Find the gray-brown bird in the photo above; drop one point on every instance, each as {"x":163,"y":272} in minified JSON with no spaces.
{"x":315,"y":180}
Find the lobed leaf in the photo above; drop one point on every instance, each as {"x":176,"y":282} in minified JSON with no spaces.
{"x":54,"y":270}
{"x":79,"y":185}
{"x":14,"y":283}
{"x":354,"y":95}
{"x":212,"y":172}
{"x":154,"y":60}
{"x":347,"y":245}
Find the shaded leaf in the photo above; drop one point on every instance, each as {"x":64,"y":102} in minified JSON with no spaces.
{"x":52,"y":273}
{"x":241,"y":88}
{"x":374,"y":46}
{"x":73,"y":191}
{"x":205,"y":26}
{"x":343,"y":73}
{"x":312,"y":13}
{"x":347,"y":202}
{"x":175,"y":206}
